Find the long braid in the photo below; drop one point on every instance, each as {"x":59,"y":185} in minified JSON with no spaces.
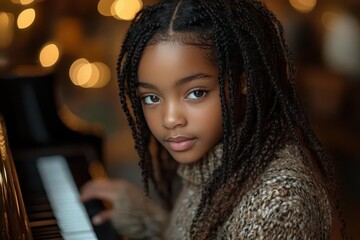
{"x":225,"y":206}
{"x":140,"y":141}
{"x":328,"y":172}
{"x":256,"y":164}
{"x":289,"y":122}
{"x":257,"y":132}
{"x":128,"y":86}
{"x":228,"y":122}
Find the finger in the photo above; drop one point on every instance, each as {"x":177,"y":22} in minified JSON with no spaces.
{"x":97,"y":189}
{"x":101,"y":218}
{"x":100,"y":189}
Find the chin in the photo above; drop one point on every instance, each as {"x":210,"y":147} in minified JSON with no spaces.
{"x":185,"y":158}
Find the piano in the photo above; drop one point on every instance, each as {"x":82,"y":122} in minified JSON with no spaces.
{"x":14,"y":223}
{"x":52,"y":162}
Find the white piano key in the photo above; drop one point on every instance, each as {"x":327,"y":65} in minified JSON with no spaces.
{"x":78,"y":236}
{"x":64,"y":198}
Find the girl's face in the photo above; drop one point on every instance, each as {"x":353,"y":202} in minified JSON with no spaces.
{"x":180,"y":97}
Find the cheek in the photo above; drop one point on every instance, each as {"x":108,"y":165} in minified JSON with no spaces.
{"x":152,"y":120}
{"x":208,"y":118}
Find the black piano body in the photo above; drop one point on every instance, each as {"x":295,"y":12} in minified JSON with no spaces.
{"x":41,"y":143}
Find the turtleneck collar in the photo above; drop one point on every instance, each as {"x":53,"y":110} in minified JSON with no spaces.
{"x":199,"y":172}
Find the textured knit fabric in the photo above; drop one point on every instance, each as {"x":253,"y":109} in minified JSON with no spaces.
{"x":137,"y":216}
{"x":286,"y":202}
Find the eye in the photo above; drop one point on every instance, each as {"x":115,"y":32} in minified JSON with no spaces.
{"x":196,"y":94}
{"x":150,"y":99}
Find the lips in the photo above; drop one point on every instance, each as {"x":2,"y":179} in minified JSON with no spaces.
{"x":180,"y":143}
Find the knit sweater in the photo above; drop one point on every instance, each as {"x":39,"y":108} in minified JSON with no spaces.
{"x":286,"y":202}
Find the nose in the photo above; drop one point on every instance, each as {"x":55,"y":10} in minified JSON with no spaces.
{"x":173,"y":116}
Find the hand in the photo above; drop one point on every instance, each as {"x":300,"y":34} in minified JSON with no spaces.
{"x":131,"y":212}
{"x":112,"y":192}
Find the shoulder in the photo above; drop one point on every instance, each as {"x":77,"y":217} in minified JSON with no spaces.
{"x":286,"y":202}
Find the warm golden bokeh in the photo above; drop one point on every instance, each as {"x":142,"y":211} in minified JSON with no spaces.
{"x":89,"y":75}
{"x":120,"y":9}
{"x":126,"y":9}
{"x":6,"y":29}
{"x":104,"y":75}
{"x":304,"y":6}
{"x":104,"y":7}
{"x":26,"y":18}
{"x":16,"y":1}
{"x":26,"y":2}
{"x":49,"y":55}
{"x":74,"y":69}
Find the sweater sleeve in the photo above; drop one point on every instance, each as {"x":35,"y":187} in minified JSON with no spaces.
{"x":136,"y":216}
{"x":287,"y":204}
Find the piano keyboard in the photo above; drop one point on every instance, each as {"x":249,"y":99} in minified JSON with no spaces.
{"x":64,"y":198}
{"x":50,"y":186}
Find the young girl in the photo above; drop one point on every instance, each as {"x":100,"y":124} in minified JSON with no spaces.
{"x":208,"y":90}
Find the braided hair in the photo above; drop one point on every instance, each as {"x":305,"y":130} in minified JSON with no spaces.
{"x":245,"y":41}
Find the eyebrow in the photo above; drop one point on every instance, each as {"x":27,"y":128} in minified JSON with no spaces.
{"x":180,"y":82}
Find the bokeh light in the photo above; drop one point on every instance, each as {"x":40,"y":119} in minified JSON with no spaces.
{"x":6,"y":29}
{"x":328,"y":19}
{"x":126,"y":9}
{"x":74,"y":69}
{"x":16,"y":1}
{"x":4,"y":20}
{"x":84,"y":74}
{"x":26,"y":2}
{"x":26,"y":18}
{"x":341,"y":47}
{"x":89,"y":75}
{"x":104,"y":75}
{"x":303,"y":6}
{"x":104,"y":7}
{"x":49,"y":55}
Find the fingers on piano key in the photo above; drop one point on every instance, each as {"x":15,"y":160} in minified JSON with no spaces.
{"x":101,"y":217}
{"x":104,"y":189}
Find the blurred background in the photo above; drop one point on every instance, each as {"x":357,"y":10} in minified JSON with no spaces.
{"x":77,"y":42}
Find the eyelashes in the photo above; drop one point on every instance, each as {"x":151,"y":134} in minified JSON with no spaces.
{"x":193,"y":95}
{"x":197,"y":94}
{"x":150,"y":99}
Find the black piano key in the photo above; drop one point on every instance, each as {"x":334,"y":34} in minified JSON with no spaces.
{"x":52,"y":228}
{"x":51,"y":231}
{"x":46,"y":231}
{"x":39,"y":209}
